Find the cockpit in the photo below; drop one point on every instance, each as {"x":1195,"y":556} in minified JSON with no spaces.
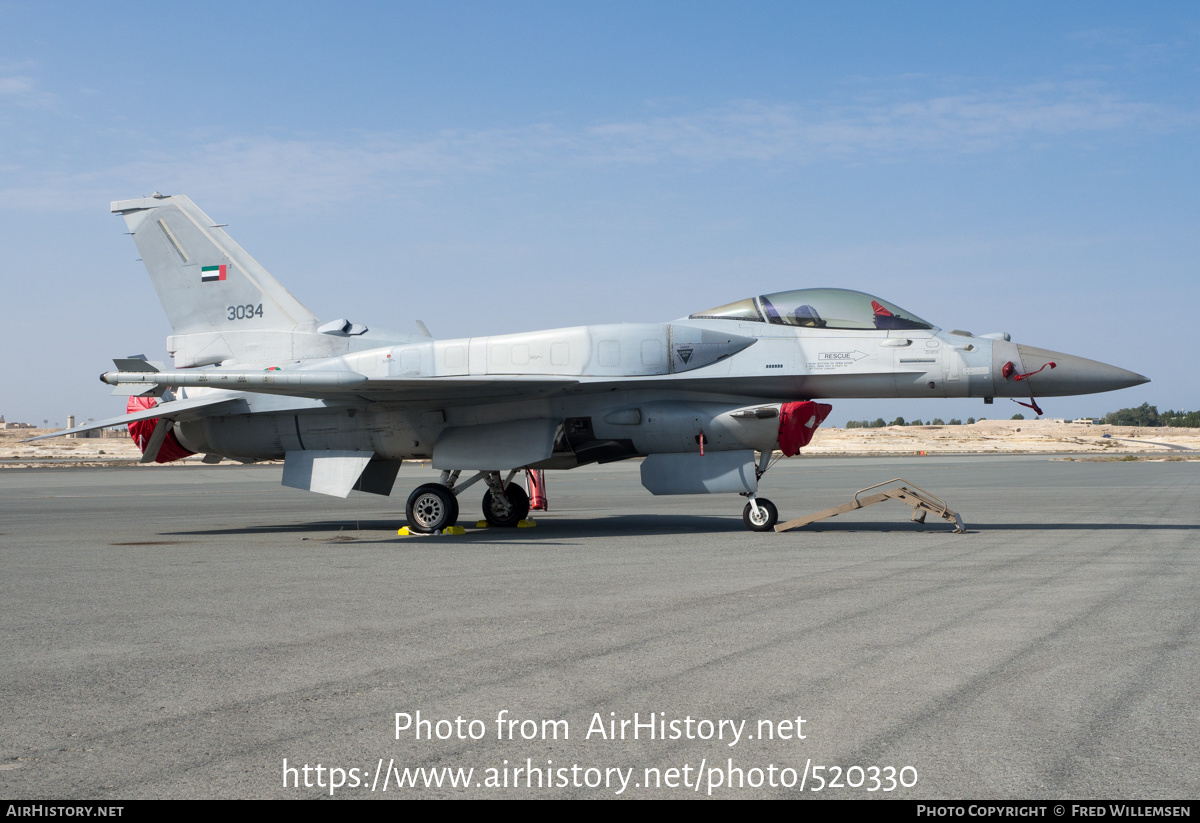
{"x":818,"y":309}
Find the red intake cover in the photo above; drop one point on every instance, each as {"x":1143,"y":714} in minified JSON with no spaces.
{"x":141,"y":431}
{"x":797,"y":422}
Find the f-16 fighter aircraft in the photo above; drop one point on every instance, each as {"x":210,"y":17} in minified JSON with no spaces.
{"x":706,"y":400}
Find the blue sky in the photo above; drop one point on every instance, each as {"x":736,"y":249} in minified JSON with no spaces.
{"x":495,"y":167}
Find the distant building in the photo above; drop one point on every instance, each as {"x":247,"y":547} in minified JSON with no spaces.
{"x":1087,"y":421}
{"x":121,"y":432}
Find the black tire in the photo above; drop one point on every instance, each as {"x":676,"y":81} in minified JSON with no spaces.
{"x":431,"y":508}
{"x":767,"y":518}
{"x":517,"y":499}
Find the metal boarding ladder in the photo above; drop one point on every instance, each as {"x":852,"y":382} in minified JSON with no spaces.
{"x":921,"y":501}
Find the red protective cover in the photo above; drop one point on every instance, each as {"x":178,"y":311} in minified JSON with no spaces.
{"x":537,"y":490}
{"x":797,"y":422}
{"x":141,"y":431}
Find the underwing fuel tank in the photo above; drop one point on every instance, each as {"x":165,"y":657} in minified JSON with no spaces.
{"x":1020,"y":371}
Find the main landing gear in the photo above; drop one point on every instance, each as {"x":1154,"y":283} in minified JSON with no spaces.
{"x":431,"y":508}
{"x":434,"y":506}
{"x":506,"y":509}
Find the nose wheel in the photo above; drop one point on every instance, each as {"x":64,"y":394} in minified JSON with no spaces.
{"x":760,"y":515}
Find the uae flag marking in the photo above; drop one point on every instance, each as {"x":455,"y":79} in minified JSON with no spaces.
{"x":211,"y":274}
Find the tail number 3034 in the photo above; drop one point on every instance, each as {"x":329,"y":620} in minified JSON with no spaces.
{"x":245,"y":312}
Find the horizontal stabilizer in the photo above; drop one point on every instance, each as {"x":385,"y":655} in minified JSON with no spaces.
{"x":175,"y":410}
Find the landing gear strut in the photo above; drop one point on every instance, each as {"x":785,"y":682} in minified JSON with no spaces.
{"x":760,"y":514}
{"x":504,"y":504}
{"x":433,"y":507}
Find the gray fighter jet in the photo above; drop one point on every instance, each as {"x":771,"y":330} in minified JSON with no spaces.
{"x":706,"y":399}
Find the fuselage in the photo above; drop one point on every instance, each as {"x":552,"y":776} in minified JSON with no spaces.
{"x":642,"y":388}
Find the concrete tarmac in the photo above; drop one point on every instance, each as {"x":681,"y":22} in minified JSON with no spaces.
{"x":182,"y":632}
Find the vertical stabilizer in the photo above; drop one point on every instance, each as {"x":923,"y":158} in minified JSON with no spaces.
{"x":206,"y":281}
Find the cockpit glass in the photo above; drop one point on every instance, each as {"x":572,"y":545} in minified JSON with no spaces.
{"x":741,"y":310}
{"x":820,"y":309}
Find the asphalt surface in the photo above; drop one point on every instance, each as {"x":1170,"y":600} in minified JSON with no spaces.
{"x":180,"y":632}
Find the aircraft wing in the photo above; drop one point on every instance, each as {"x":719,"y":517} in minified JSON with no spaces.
{"x":334,"y":385}
{"x":348,"y":384}
{"x":173,"y":410}
{"x":502,"y":387}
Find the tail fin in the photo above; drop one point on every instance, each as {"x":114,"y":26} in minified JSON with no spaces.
{"x":207,"y":283}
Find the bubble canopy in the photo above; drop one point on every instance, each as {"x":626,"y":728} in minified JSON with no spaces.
{"x":818,"y":309}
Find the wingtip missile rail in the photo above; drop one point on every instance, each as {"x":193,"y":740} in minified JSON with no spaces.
{"x":228,"y":379}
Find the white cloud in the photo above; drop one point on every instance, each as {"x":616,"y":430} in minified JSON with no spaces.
{"x":23,"y":91}
{"x":305,"y":171}
{"x":15,"y":85}
{"x":957,"y":124}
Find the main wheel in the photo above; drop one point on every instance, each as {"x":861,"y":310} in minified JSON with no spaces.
{"x":431,"y":508}
{"x":518,"y":502}
{"x":762,"y":521}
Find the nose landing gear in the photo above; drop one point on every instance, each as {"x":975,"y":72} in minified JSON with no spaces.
{"x":760,"y":515}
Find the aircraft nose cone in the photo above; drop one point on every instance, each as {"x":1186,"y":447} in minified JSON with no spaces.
{"x":1073,"y":375}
